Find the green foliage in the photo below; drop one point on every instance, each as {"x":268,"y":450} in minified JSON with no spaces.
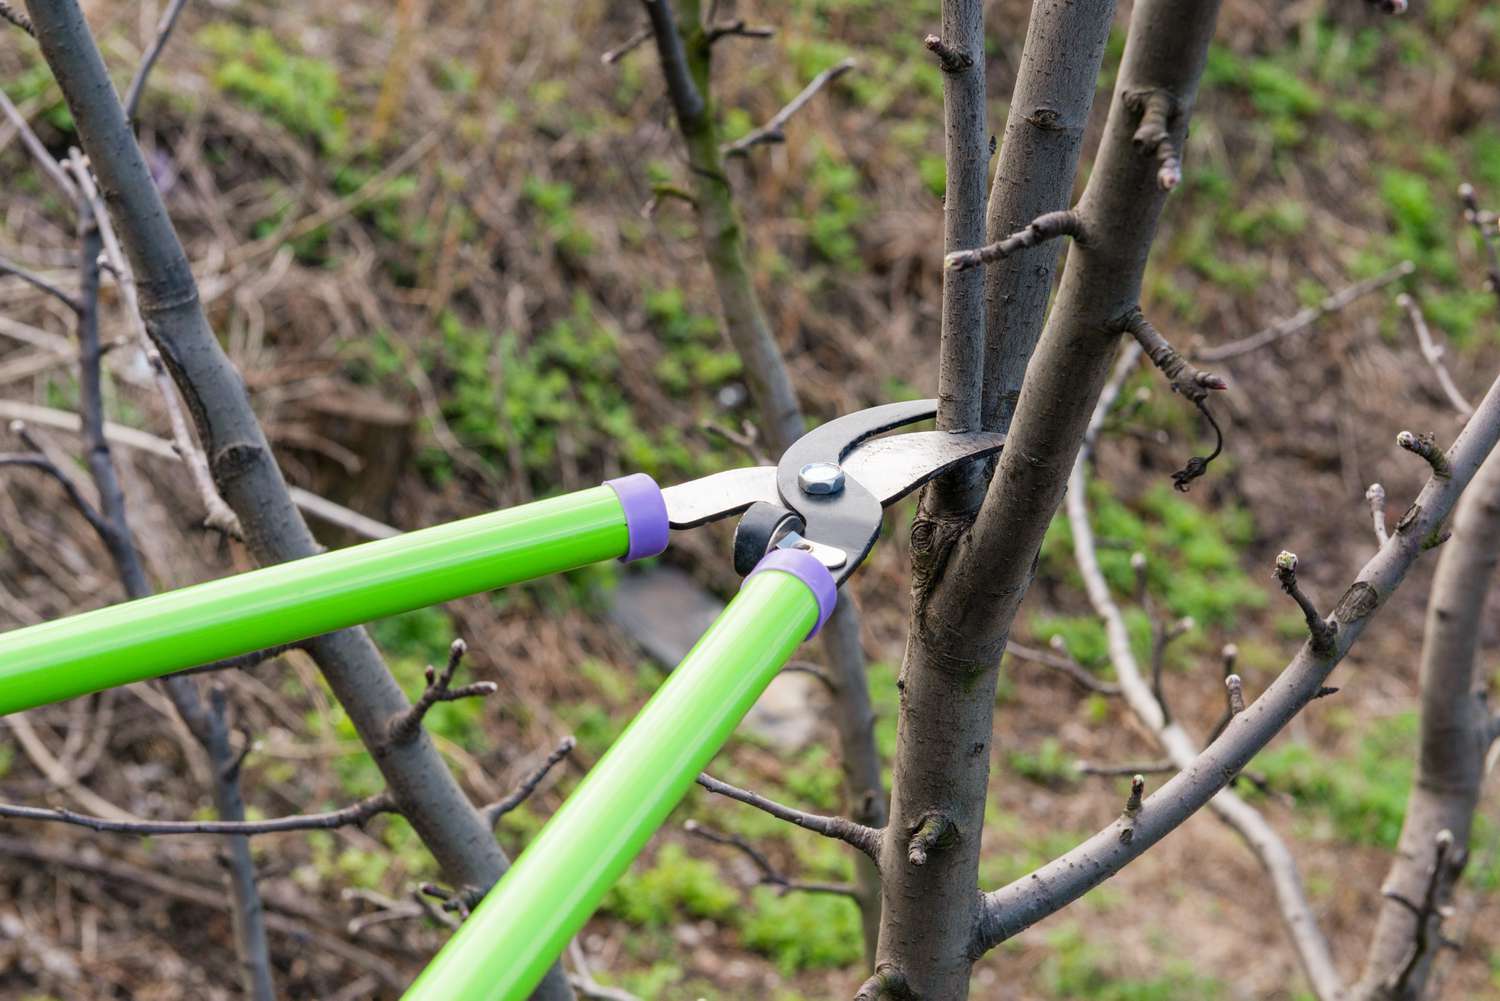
{"x":834,"y":206}
{"x":803,"y":931}
{"x":694,"y":357}
{"x":1079,"y":970}
{"x":674,"y":887}
{"x":300,"y":93}
{"x":814,"y":779}
{"x":1192,"y":555}
{"x":554,"y":201}
{"x":1046,"y":764}
{"x":1362,"y":797}
{"x":511,"y":400}
{"x":1279,"y":93}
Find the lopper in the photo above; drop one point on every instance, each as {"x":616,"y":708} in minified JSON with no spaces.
{"x":806,"y":524}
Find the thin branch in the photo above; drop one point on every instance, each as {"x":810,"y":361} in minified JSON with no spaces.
{"x":1015,"y":907}
{"x":1484,"y":224}
{"x":37,"y":281}
{"x":1426,"y":446}
{"x":772,"y":131}
{"x":1118,"y":771}
{"x":242,"y":661}
{"x":886,"y":984}
{"x":737,"y":29}
{"x":635,"y":41}
{"x":1066,"y":665}
{"x":1430,"y":913}
{"x":1051,"y":226}
{"x":1322,"y":630}
{"x":1375,"y":494}
{"x":950,"y":59}
{"x":36,"y":460}
{"x":16,"y":17}
{"x":153,"y":53}
{"x":355,"y":814}
{"x":769,"y":874}
{"x":583,"y":980}
{"x":1158,"y":110}
{"x":866,"y":839}
{"x":142,"y":441}
{"x":527,"y":785}
{"x":1132,"y":808}
{"x":439,"y":688}
{"x":1305,"y":318}
{"x":1191,"y":382}
{"x":1432,"y":352}
{"x":686,"y":99}
{"x":44,"y":159}
{"x":218,"y":515}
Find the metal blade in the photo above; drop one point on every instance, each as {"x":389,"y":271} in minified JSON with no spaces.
{"x":890,"y":468}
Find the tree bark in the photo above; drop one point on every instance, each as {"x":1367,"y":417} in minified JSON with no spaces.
{"x":968,"y":581}
{"x":685,"y":50}
{"x":240,"y":458}
{"x":1455,"y":735}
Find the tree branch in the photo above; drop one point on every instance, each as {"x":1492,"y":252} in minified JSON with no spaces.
{"x":1432,"y":353}
{"x":1484,"y":224}
{"x":771,"y":132}
{"x":1322,"y":630}
{"x":1066,"y":665}
{"x":528,"y":784}
{"x":1012,"y":908}
{"x":1375,"y":494}
{"x":866,"y":839}
{"x":1305,"y":318}
{"x":15,"y":17}
{"x":355,"y":814}
{"x":1046,"y":227}
{"x":769,"y":874}
{"x":153,"y":53}
{"x":37,"y":281}
{"x":407,"y":725}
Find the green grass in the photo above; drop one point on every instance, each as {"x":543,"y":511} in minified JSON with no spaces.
{"x":301,"y":93}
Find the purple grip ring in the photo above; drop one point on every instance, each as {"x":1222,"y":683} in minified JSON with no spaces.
{"x":809,"y":570}
{"x":645,"y":515}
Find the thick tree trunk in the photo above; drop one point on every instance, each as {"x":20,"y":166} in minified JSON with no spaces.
{"x":969,"y":582}
{"x":1455,"y":735}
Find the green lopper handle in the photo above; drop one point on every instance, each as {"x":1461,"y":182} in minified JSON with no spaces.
{"x":307,"y":597}
{"x":503,"y":949}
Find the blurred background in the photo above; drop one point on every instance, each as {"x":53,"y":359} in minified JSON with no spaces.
{"x":427,"y":236}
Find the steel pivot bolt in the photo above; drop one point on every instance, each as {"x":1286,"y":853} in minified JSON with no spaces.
{"x":820,"y":478}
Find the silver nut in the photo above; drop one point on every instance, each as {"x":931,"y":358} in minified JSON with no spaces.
{"x":820,"y":478}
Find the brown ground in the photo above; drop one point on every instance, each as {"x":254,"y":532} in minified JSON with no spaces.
{"x":1310,"y":423}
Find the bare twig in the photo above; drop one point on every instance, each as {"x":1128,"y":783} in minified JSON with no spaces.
{"x":1066,"y":665}
{"x":356,"y":814}
{"x":218,"y":516}
{"x":1484,"y":224}
{"x":1375,"y":494}
{"x":16,"y":17}
{"x":1158,"y":109}
{"x":769,"y":874}
{"x":866,"y":839}
{"x":119,"y":434}
{"x":1430,"y":913}
{"x":1305,"y":318}
{"x":44,"y":159}
{"x":1426,"y":446}
{"x":582,"y":979}
{"x":950,"y":59}
{"x":1191,"y":382}
{"x":438,"y":689}
{"x":1432,"y":352}
{"x":635,"y":41}
{"x":1322,"y":630}
{"x":1130,"y":768}
{"x":737,"y":29}
{"x":1132,"y":808}
{"x":37,"y":281}
{"x":772,"y":131}
{"x":1041,"y":229}
{"x":153,"y":53}
{"x":528,"y":784}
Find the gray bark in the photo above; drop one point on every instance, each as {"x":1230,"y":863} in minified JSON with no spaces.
{"x":1015,"y":907}
{"x":1049,"y":112}
{"x":684,"y":50}
{"x":240,"y":458}
{"x":1455,"y":735}
{"x":968,"y":582}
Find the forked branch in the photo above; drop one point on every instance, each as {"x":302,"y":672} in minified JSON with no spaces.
{"x":866,"y":839}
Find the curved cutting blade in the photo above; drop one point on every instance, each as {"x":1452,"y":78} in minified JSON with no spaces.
{"x":890,"y":468}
